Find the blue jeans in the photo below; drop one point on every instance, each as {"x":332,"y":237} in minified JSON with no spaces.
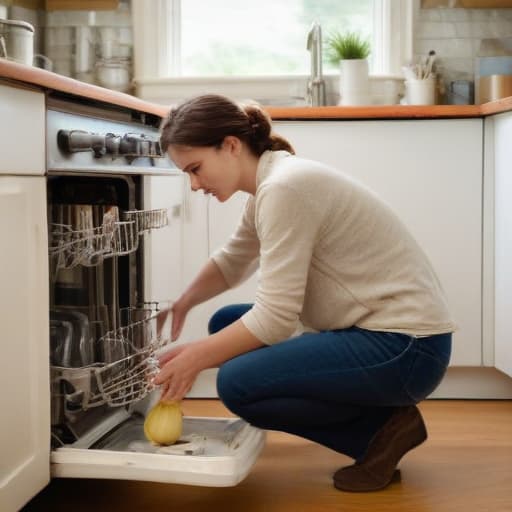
{"x":336,"y":388}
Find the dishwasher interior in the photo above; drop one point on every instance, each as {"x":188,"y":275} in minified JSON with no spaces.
{"x":102,"y":335}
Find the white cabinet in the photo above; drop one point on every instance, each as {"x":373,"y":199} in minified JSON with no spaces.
{"x":430,"y":172}
{"x":196,"y":249}
{"x":503,"y":242}
{"x":24,"y":375}
{"x":22,"y":131}
{"x":163,"y":253}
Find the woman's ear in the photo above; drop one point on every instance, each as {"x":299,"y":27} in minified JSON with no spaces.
{"x":232,"y":144}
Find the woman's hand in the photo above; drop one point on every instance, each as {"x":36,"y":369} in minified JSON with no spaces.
{"x":180,"y":365}
{"x":178,"y":370}
{"x":179,"y":311}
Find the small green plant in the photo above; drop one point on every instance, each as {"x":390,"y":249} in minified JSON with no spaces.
{"x":349,"y":45}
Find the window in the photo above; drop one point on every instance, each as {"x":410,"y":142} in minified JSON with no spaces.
{"x":238,"y":47}
{"x":263,"y":37}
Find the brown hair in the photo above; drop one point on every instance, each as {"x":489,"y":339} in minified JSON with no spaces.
{"x":206,"y":120}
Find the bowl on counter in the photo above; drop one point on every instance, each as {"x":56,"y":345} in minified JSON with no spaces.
{"x":114,"y":74}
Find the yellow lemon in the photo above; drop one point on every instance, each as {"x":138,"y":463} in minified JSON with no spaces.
{"x":164,"y":423}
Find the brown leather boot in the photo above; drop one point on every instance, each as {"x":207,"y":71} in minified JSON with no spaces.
{"x":403,"y":431}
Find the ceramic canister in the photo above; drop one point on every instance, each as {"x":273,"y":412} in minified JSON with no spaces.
{"x":17,"y":41}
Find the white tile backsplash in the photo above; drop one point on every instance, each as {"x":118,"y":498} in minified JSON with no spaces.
{"x":436,"y":29}
{"x":451,"y":15}
{"x":453,"y":47}
{"x":118,"y":18}
{"x":429,"y":15}
{"x":499,"y":28}
{"x":466,"y":29}
{"x":456,"y":36}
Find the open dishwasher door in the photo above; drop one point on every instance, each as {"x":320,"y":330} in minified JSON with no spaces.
{"x":215,"y":452}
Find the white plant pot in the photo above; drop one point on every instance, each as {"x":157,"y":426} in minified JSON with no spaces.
{"x":354,"y":84}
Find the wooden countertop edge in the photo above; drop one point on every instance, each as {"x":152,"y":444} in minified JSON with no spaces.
{"x":48,"y":80}
{"x":496,"y":107}
{"x":13,"y":71}
{"x":375,"y":112}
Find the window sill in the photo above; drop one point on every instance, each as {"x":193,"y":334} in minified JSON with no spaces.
{"x":289,"y":90}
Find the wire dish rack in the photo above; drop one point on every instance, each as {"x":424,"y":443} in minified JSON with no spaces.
{"x":146,"y":220}
{"x":80,"y":242}
{"x":124,"y":367}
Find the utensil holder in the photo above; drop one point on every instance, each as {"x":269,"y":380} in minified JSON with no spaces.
{"x":420,"y":92}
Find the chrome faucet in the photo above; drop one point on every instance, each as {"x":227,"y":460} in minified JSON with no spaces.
{"x":316,"y":84}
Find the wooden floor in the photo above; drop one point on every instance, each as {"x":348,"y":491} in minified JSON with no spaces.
{"x":466,"y":465}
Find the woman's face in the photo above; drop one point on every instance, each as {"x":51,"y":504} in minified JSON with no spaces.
{"x":213,"y":170}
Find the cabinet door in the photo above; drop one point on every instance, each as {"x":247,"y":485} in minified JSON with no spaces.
{"x":430,"y":173}
{"x":503,"y":243}
{"x":163,"y":248}
{"x":22,"y":131}
{"x":224,"y":218}
{"x":196,"y":247}
{"x":24,"y":365}
{"x":220,"y":220}
{"x":195,"y":243}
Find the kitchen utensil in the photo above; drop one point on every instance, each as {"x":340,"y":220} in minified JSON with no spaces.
{"x":430,"y":63}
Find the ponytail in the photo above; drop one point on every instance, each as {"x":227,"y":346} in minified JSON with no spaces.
{"x":263,"y":138}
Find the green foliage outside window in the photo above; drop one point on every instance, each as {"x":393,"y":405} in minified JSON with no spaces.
{"x":267,"y":37}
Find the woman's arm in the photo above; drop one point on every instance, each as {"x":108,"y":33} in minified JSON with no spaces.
{"x":226,"y":268}
{"x":208,"y":283}
{"x":180,"y":365}
{"x":229,"y":266}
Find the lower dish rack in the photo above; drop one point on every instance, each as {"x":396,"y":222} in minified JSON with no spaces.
{"x":124,"y":365}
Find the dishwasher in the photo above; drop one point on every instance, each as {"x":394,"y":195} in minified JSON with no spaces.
{"x":109,"y":192}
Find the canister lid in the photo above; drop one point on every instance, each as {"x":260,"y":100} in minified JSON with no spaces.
{"x":17,"y":23}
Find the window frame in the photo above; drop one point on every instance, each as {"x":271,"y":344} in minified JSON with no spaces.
{"x":157,"y":36}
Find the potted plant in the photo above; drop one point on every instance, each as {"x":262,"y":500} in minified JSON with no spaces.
{"x":349,"y":50}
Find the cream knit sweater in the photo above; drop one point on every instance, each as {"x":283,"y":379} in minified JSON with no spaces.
{"x":331,"y":255}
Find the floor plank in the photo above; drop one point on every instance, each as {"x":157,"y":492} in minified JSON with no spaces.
{"x":466,"y":465}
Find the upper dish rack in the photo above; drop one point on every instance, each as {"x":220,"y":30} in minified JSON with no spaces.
{"x":76,"y":240}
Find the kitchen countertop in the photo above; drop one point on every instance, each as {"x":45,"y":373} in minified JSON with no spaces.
{"x":42,"y":79}
{"x":20,"y":74}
